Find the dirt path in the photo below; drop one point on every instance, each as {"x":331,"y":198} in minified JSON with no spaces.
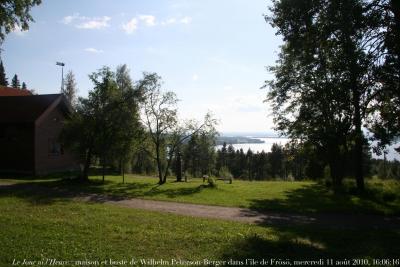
{"x":330,"y":220}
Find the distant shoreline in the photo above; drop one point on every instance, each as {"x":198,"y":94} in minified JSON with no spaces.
{"x":254,"y":142}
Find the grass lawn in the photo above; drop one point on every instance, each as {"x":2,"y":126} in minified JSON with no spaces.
{"x":301,"y":197}
{"x":67,"y":230}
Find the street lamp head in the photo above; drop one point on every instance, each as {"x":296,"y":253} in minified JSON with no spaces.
{"x":60,"y":64}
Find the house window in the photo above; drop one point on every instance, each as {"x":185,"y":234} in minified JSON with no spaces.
{"x":55,"y":148}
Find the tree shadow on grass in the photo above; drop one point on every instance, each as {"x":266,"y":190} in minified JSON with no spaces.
{"x":47,"y":192}
{"x":260,"y":248}
{"x":316,"y":198}
{"x":34,"y":192}
{"x":306,"y":243}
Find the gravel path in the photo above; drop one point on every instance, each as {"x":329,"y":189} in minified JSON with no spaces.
{"x":329,"y":220}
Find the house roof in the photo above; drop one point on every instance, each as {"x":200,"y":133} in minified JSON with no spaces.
{"x":26,"y":108}
{"x":9,"y":91}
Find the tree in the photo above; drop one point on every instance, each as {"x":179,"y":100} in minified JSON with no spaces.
{"x":70,"y":89}
{"x":15,"y":13}
{"x":79,"y":133}
{"x":221,"y":157}
{"x":178,"y":165}
{"x":192,"y":155}
{"x":105,"y":124}
{"x":322,"y":87}
{"x":24,"y":86}
{"x":143,"y":158}
{"x":207,"y":151}
{"x":160,"y":118}
{"x":276,"y":159}
{"x":199,"y":153}
{"x":383,"y":41}
{"x":3,"y":78}
{"x":15,"y":82}
{"x":129,"y":131}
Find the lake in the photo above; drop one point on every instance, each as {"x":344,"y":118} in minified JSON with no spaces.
{"x":258,"y":147}
{"x":268,"y":141}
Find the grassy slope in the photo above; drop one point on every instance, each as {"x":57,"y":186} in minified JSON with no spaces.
{"x":302,"y":197}
{"x":68,"y":230}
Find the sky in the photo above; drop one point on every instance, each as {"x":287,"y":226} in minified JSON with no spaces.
{"x":212,"y":53}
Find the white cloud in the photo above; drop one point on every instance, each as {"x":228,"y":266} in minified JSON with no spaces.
{"x":185,"y":20}
{"x":69,"y":19}
{"x":94,"y":23}
{"x":149,"y":20}
{"x":130,"y":26}
{"x":94,"y":50}
{"x":169,"y":21}
{"x":195,"y":77}
{"x":241,"y":110}
{"x":82,"y":22}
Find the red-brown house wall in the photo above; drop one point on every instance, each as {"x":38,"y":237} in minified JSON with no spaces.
{"x":47,"y":129}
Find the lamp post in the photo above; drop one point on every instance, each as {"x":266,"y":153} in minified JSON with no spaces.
{"x":62,"y":74}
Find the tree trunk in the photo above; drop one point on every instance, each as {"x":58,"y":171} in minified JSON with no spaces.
{"x":159,"y":167}
{"x":359,"y":174}
{"x":335,"y":162}
{"x":88,"y":159}
{"x":123,"y":174}
{"x":178,"y":169}
{"x":336,"y":174}
{"x":356,"y":98}
{"x":358,"y":140}
{"x":103,"y":168}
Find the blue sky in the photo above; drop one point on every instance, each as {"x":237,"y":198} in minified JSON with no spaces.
{"x":212,"y":53}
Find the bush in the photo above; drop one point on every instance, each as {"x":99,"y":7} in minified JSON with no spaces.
{"x":224,"y":173}
{"x":212,"y":182}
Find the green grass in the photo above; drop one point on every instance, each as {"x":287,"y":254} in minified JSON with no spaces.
{"x":381,"y":197}
{"x":38,"y":222}
{"x":68,"y":230}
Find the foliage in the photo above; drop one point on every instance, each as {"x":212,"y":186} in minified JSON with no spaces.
{"x":15,"y":82}
{"x":70,"y":89}
{"x":105,"y":124}
{"x":324,"y":78}
{"x":15,"y":14}
{"x":166,"y":133}
{"x":211,"y":182}
{"x":251,"y":166}
{"x":225,"y":173}
{"x":294,"y":161}
{"x":385,"y":169}
{"x":24,"y":86}
{"x":3,"y":77}
{"x":383,"y":41}
{"x":199,"y":154}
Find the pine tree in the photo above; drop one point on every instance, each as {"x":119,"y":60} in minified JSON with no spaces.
{"x":15,"y":82}
{"x":24,"y":86}
{"x":70,"y":89}
{"x":3,"y":78}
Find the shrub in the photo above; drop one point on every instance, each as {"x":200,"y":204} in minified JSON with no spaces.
{"x":212,"y":182}
{"x":224,"y":173}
